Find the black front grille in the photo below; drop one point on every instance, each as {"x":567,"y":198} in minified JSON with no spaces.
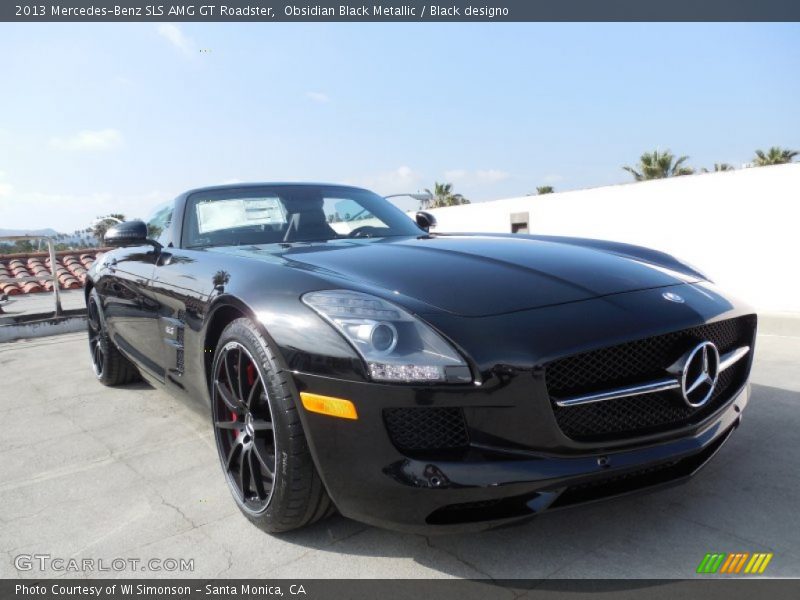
{"x":638,"y":362}
{"x":426,"y":429}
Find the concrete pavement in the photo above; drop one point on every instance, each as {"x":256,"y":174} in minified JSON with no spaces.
{"x":100,"y":473}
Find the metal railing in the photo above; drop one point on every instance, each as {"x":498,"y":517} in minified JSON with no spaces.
{"x":51,"y":249}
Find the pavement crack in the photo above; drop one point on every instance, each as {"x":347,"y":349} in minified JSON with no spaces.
{"x":178,"y":510}
{"x":459,"y":558}
{"x":581,"y":557}
{"x":348,"y":536}
{"x":11,"y":560}
{"x":228,"y":554}
{"x":325,"y":546}
{"x":28,"y":516}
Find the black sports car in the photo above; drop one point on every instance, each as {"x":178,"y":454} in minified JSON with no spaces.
{"x":412,"y":380}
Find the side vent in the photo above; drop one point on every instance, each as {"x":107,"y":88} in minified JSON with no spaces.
{"x":173,"y":331}
{"x":179,"y":358}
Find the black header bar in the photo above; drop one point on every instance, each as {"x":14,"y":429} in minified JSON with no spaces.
{"x":398,"y":11}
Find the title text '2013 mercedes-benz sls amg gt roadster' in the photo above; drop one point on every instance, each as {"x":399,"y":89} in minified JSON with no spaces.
{"x":353,"y":360}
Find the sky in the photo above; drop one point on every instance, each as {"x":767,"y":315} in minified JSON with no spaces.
{"x":100,"y":118}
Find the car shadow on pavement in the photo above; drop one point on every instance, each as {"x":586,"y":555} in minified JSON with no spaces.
{"x":198,"y":407}
{"x":136,"y":386}
{"x":663,"y":534}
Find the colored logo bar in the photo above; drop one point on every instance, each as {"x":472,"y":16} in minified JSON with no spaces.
{"x":735,"y":563}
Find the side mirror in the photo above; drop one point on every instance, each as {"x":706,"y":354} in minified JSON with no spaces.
{"x":128,"y":233}
{"x":425,"y":220}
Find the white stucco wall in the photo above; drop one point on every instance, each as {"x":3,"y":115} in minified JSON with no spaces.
{"x":741,"y":227}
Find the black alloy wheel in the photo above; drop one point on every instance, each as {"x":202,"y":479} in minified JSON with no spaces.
{"x":243,"y":427}
{"x":255,"y":413}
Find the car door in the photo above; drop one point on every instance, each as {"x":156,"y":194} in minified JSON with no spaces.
{"x":128,"y":303}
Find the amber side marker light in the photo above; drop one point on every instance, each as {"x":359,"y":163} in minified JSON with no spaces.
{"x":328,"y":405}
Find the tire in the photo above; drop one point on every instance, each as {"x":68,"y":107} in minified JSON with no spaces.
{"x":257,"y":428}
{"x":109,"y":365}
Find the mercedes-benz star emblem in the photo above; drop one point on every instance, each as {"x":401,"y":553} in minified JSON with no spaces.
{"x":672,"y":297}
{"x":699,"y":375}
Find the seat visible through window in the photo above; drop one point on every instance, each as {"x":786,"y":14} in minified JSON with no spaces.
{"x":308,"y":223}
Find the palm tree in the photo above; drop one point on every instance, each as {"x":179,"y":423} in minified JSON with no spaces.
{"x":719,"y":167}
{"x":102,"y":225}
{"x":442,"y":195}
{"x":658,"y":165}
{"x":774,"y":156}
{"x":544,"y":189}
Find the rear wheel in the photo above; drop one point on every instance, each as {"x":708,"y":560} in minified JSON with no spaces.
{"x":109,"y":365}
{"x":260,"y":439}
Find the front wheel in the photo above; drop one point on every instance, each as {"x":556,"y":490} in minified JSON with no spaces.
{"x":260,"y":439}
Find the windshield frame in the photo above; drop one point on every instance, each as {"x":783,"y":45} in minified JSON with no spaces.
{"x":398,"y":221}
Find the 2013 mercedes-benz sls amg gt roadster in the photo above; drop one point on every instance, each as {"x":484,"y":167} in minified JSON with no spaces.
{"x":353,"y":360}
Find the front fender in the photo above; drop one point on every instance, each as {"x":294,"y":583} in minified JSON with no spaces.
{"x":305,"y":341}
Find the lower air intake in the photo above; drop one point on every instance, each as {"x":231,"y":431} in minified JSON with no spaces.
{"x":426,"y":429}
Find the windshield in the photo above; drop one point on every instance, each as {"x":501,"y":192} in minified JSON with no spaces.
{"x":158,"y":223}
{"x":289,"y":213}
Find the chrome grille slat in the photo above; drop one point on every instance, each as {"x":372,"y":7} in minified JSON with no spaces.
{"x":661,"y":385}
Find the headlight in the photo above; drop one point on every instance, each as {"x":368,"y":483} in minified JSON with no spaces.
{"x":395,"y":345}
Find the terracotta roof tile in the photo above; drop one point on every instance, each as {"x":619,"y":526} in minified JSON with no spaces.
{"x":71,"y":269}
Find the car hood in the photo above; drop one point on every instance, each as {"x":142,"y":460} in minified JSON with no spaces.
{"x":475,"y":275}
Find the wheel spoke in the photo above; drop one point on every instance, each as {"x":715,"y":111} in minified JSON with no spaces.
{"x":265,"y":457}
{"x":233,"y":425}
{"x":94,"y":317}
{"x":252,"y":394}
{"x":98,"y":358}
{"x":258,"y":482}
{"x":95,"y":331}
{"x":244,"y":474}
{"x":228,"y":376}
{"x":241,"y":377}
{"x":262,"y":425}
{"x":227,"y":397}
{"x":232,"y":454}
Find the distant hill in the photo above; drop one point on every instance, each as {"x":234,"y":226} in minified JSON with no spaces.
{"x":47,"y":232}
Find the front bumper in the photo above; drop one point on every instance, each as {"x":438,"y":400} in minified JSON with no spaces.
{"x":517,"y":461}
{"x":489,"y":485}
